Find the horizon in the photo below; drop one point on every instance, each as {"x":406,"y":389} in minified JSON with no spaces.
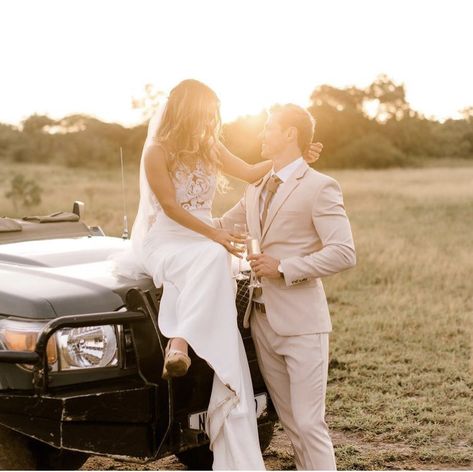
{"x":141,"y":119}
{"x":94,"y":59}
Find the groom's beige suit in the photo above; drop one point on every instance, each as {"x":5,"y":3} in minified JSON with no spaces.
{"x":307,"y":229}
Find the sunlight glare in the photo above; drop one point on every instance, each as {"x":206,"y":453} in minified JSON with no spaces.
{"x":252,"y":54}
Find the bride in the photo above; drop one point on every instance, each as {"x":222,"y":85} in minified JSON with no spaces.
{"x":174,"y":242}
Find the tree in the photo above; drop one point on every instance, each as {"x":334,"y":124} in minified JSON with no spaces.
{"x":349,"y":99}
{"x":339,"y":118}
{"x":9,"y":138}
{"x":355,"y":125}
{"x":23,"y":191}
{"x":389,"y":97}
{"x":467,"y":114}
{"x":372,"y":151}
{"x":37,"y":124}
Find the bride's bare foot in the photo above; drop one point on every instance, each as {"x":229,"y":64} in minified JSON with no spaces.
{"x":176,"y":360}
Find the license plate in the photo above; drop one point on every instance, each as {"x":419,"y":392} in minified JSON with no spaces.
{"x":197,"y":420}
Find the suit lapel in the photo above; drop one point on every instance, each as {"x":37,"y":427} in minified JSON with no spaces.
{"x":253,"y":208}
{"x":286,"y":189}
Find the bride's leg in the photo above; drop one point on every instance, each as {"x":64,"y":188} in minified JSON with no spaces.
{"x":179,"y":344}
{"x":188,"y":309}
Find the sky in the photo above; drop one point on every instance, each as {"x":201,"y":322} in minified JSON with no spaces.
{"x":60,"y":57}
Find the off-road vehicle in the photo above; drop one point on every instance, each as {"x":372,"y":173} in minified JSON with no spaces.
{"x":81,"y":356}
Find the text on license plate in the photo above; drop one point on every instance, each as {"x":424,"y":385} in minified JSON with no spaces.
{"x":197,"y":420}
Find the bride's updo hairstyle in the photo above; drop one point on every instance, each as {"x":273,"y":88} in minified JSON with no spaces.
{"x":191,"y":125}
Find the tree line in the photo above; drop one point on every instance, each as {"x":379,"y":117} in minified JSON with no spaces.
{"x":374,"y":127}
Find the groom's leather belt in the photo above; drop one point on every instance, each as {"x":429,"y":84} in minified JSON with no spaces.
{"x":260,"y":307}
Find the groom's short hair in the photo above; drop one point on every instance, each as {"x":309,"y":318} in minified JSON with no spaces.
{"x":298,"y":117}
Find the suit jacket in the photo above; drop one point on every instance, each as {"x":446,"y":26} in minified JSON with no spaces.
{"x":308,"y":230}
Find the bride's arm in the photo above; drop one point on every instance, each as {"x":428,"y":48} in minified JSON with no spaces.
{"x":161,"y":184}
{"x":236,"y":167}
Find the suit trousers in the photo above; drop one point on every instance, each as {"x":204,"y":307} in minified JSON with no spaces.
{"x":295,"y":370}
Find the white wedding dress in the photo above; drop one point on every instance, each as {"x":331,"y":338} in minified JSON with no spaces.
{"x":198,"y":304}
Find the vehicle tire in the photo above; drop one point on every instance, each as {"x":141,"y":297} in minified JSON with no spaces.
{"x":266,"y":432}
{"x":19,"y":452}
{"x":198,"y":458}
{"x":201,"y":458}
{"x":14,"y":451}
{"x":50,"y":458}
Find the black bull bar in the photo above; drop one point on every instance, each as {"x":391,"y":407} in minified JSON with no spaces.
{"x":138,"y":416}
{"x":120,"y":417}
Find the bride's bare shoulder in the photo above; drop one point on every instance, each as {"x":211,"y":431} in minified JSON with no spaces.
{"x":156,"y":146}
{"x":156,"y":152}
{"x":156,"y":159}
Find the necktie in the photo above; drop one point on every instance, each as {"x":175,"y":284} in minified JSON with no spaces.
{"x":271,"y":187}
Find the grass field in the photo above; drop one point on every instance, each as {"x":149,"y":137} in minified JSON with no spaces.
{"x":400,"y":389}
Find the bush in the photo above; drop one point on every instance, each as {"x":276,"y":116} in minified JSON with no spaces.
{"x":372,"y":151}
{"x":23,"y":192}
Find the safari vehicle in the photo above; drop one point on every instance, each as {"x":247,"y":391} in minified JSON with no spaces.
{"x":81,"y":356}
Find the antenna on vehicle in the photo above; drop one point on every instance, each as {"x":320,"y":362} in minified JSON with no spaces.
{"x":125,"y":218}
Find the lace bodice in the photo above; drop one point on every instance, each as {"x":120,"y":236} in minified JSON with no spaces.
{"x":195,"y":189}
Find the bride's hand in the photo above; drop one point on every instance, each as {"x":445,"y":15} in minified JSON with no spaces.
{"x":226,"y":239}
{"x":313,"y":154}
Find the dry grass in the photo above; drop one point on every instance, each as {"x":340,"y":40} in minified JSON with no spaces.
{"x":400,"y":356}
{"x":400,"y":388}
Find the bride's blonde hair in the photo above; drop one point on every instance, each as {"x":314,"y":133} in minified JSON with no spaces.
{"x":191,"y":125}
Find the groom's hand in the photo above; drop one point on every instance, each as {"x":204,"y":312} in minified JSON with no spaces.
{"x":265,"y":266}
{"x":313,"y":154}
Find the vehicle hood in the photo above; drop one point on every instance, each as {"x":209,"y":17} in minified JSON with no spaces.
{"x":48,"y":278}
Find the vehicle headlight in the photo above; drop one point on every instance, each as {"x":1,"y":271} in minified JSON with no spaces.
{"x":68,"y":348}
{"x":92,"y":346}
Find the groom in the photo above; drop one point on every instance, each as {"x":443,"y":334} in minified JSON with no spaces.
{"x":299,"y":218}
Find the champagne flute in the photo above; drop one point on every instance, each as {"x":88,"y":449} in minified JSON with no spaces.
{"x":253,"y":248}
{"x":241,"y":230}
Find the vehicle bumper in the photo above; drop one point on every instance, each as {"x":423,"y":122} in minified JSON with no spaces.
{"x":119,"y":420}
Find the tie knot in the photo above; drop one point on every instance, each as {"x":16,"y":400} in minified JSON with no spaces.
{"x":273,"y":183}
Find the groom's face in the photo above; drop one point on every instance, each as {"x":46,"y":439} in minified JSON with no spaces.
{"x":274,"y":138}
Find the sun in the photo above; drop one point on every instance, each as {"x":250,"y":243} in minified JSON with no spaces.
{"x":234,"y":106}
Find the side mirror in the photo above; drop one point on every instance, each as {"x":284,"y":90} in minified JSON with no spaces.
{"x":79,"y":209}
